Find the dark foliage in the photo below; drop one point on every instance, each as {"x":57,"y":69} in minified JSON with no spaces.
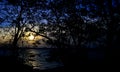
{"x":74,"y":25}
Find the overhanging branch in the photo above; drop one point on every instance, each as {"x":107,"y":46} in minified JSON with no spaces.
{"x":38,"y":33}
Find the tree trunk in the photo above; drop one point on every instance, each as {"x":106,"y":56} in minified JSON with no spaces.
{"x":110,"y":34}
{"x":14,"y":46}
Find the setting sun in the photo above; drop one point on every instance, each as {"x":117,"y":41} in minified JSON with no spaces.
{"x":31,"y":37}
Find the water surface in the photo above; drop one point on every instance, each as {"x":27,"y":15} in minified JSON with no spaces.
{"x":39,"y":58}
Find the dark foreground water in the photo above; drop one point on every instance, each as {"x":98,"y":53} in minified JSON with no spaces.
{"x":71,"y":58}
{"x":39,"y":58}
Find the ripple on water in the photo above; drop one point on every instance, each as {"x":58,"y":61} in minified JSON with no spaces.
{"x":37,"y":59}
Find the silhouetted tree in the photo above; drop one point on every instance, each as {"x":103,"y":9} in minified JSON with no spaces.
{"x":18,"y":14}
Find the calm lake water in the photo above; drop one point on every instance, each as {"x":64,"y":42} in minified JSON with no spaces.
{"x":39,"y":58}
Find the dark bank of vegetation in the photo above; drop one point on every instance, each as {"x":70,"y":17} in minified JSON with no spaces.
{"x":78,"y":26}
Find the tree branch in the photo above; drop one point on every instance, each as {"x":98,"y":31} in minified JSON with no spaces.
{"x":38,"y":33}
